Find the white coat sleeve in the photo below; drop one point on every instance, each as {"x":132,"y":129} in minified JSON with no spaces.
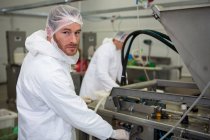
{"x":62,"y":99}
{"x":102,"y":71}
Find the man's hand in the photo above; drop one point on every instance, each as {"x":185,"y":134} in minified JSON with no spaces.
{"x":87,"y":100}
{"x":120,"y":134}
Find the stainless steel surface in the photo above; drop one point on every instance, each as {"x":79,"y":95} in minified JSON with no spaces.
{"x":160,"y":96}
{"x":141,"y":85}
{"x":4,"y":97}
{"x":140,"y":113}
{"x":188,"y":27}
{"x":12,"y":77}
{"x":179,"y":84}
{"x":15,"y":41}
{"x":162,"y":124}
{"x":196,"y":116}
{"x":126,"y":91}
{"x":89,"y":44}
{"x":157,"y":68}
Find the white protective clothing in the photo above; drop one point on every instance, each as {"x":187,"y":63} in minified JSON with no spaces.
{"x":120,"y":36}
{"x":48,"y":107}
{"x":103,"y":71}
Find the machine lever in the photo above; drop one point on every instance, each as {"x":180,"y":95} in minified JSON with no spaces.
{"x":117,"y":103}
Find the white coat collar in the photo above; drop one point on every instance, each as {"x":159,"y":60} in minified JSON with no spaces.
{"x":37,"y":44}
{"x":109,"y":40}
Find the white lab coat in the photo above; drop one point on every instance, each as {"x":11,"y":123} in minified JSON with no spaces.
{"x":48,"y":107}
{"x":103,"y":71}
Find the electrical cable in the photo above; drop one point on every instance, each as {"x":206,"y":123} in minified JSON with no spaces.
{"x":113,"y":28}
{"x":147,"y":75}
{"x":103,"y":97}
{"x":161,"y":135}
{"x":96,"y":108}
{"x":194,"y":103}
{"x":99,"y":103}
{"x":119,"y":23}
{"x":124,"y":58}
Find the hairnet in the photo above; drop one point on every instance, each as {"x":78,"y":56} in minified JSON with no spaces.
{"x":61,"y":16}
{"x":120,"y":36}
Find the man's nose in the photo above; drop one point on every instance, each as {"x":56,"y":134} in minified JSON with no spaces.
{"x":73,"y":38}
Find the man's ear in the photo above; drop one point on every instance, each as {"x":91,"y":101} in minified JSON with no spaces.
{"x":49,"y":38}
{"x":49,"y":33}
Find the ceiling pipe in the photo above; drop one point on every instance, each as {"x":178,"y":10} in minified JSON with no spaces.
{"x":85,"y":16}
{"x":123,"y":17}
{"x":24,"y":14}
{"x":35,"y":5}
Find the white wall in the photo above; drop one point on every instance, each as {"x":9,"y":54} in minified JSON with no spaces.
{"x":103,"y":28}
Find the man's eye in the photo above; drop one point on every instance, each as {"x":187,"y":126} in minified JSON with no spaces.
{"x":77,"y":33}
{"x":66,"y":32}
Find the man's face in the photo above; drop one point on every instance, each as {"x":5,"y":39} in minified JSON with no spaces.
{"x":68,"y":38}
{"x":118,"y":44}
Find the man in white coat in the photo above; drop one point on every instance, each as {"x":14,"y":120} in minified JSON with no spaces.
{"x":48,"y":107}
{"x":105,"y":68}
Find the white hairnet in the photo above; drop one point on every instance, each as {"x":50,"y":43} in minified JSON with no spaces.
{"x":120,"y":36}
{"x":61,"y":16}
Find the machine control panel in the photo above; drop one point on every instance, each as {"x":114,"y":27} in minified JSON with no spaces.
{"x":136,"y":131}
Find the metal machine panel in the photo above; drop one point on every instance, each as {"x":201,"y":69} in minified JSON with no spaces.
{"x":135,"y":107}
{"x":15,"y":42}
{"x":12,"y":76}
{"x":189,"y":29}
{"x":89,"y":44}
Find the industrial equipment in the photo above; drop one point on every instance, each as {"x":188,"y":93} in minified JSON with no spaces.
{"x":157,"y":68}
{"x":146,"y":109}
{"x":15,"y":52}
{"x":89,"y":45}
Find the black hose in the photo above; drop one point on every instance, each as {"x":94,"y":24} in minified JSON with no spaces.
{"x":158,"y":35}
{"x":161,"y":34}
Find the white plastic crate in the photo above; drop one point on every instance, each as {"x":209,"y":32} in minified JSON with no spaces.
{"x":7,"y":118}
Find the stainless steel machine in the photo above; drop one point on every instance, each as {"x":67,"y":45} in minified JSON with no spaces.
{"x":15,"y":52}
{"x":149,"y":114}
{"x":89,"y":44}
